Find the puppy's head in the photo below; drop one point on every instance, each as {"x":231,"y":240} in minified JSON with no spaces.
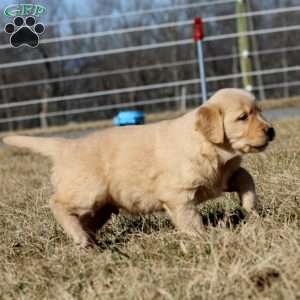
{"x":231,"y":118}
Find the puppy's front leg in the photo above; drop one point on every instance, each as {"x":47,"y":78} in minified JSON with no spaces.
{"x":185,"y":217}
{"x":242,"y":183}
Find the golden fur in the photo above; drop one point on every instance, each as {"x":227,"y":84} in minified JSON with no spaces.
{"x":170,"y":165}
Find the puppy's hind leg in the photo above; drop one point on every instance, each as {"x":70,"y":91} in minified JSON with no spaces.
{"x":186,"y":218}
{"x":70,"y":222}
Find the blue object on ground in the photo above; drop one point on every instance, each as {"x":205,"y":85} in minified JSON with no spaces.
{"x":129,"y":117}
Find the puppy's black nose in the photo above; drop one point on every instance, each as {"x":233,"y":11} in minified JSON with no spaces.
{"x":270,"y":133}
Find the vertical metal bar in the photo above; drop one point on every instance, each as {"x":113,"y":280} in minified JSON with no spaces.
{"x":256,"y":57}
{"x":202,"y":70}
{"x":244,"y":45}
{"x":183,"y":100}
{"x":198,"y":38}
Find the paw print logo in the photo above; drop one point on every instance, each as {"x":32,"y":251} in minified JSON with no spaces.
{"x":24,"y":32}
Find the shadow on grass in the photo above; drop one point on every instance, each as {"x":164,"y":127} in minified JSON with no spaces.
{"x":125,"y":228}
{"x":219,"y":217}
{"x":116,"y":235}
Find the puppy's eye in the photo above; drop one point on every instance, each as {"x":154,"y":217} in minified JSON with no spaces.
{"x":243,"y":117}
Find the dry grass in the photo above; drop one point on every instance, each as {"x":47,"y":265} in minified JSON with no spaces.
{"x":144,"y":257}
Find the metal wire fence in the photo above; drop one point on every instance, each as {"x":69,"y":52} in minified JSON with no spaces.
{"x":71,"y":87}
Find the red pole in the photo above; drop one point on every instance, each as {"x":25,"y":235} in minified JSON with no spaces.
{"x":198,"y":29}
{"x":198,"y":37}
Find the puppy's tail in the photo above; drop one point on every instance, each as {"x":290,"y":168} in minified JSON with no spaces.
{"x":46,"y":146}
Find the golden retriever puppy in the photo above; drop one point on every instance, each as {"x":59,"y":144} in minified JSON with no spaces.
{"x":171,"y":165}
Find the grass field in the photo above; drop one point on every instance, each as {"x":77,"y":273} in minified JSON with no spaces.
{"x":145,"y":257}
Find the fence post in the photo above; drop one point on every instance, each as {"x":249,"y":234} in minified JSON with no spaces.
{"x":183,"y":100}
{"x":244,"y":45}
{"x":256,"y":57}
{"x":6,"y":98}
{"x":198,"y":37}
{"x":44,"y":108}
{"x":286,"y":93}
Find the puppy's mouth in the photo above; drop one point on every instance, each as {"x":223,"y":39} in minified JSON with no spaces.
{"x":259,"y":148}
{"x":250,"y":147}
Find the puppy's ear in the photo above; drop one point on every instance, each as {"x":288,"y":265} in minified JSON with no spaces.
{"x":210,"y":123}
